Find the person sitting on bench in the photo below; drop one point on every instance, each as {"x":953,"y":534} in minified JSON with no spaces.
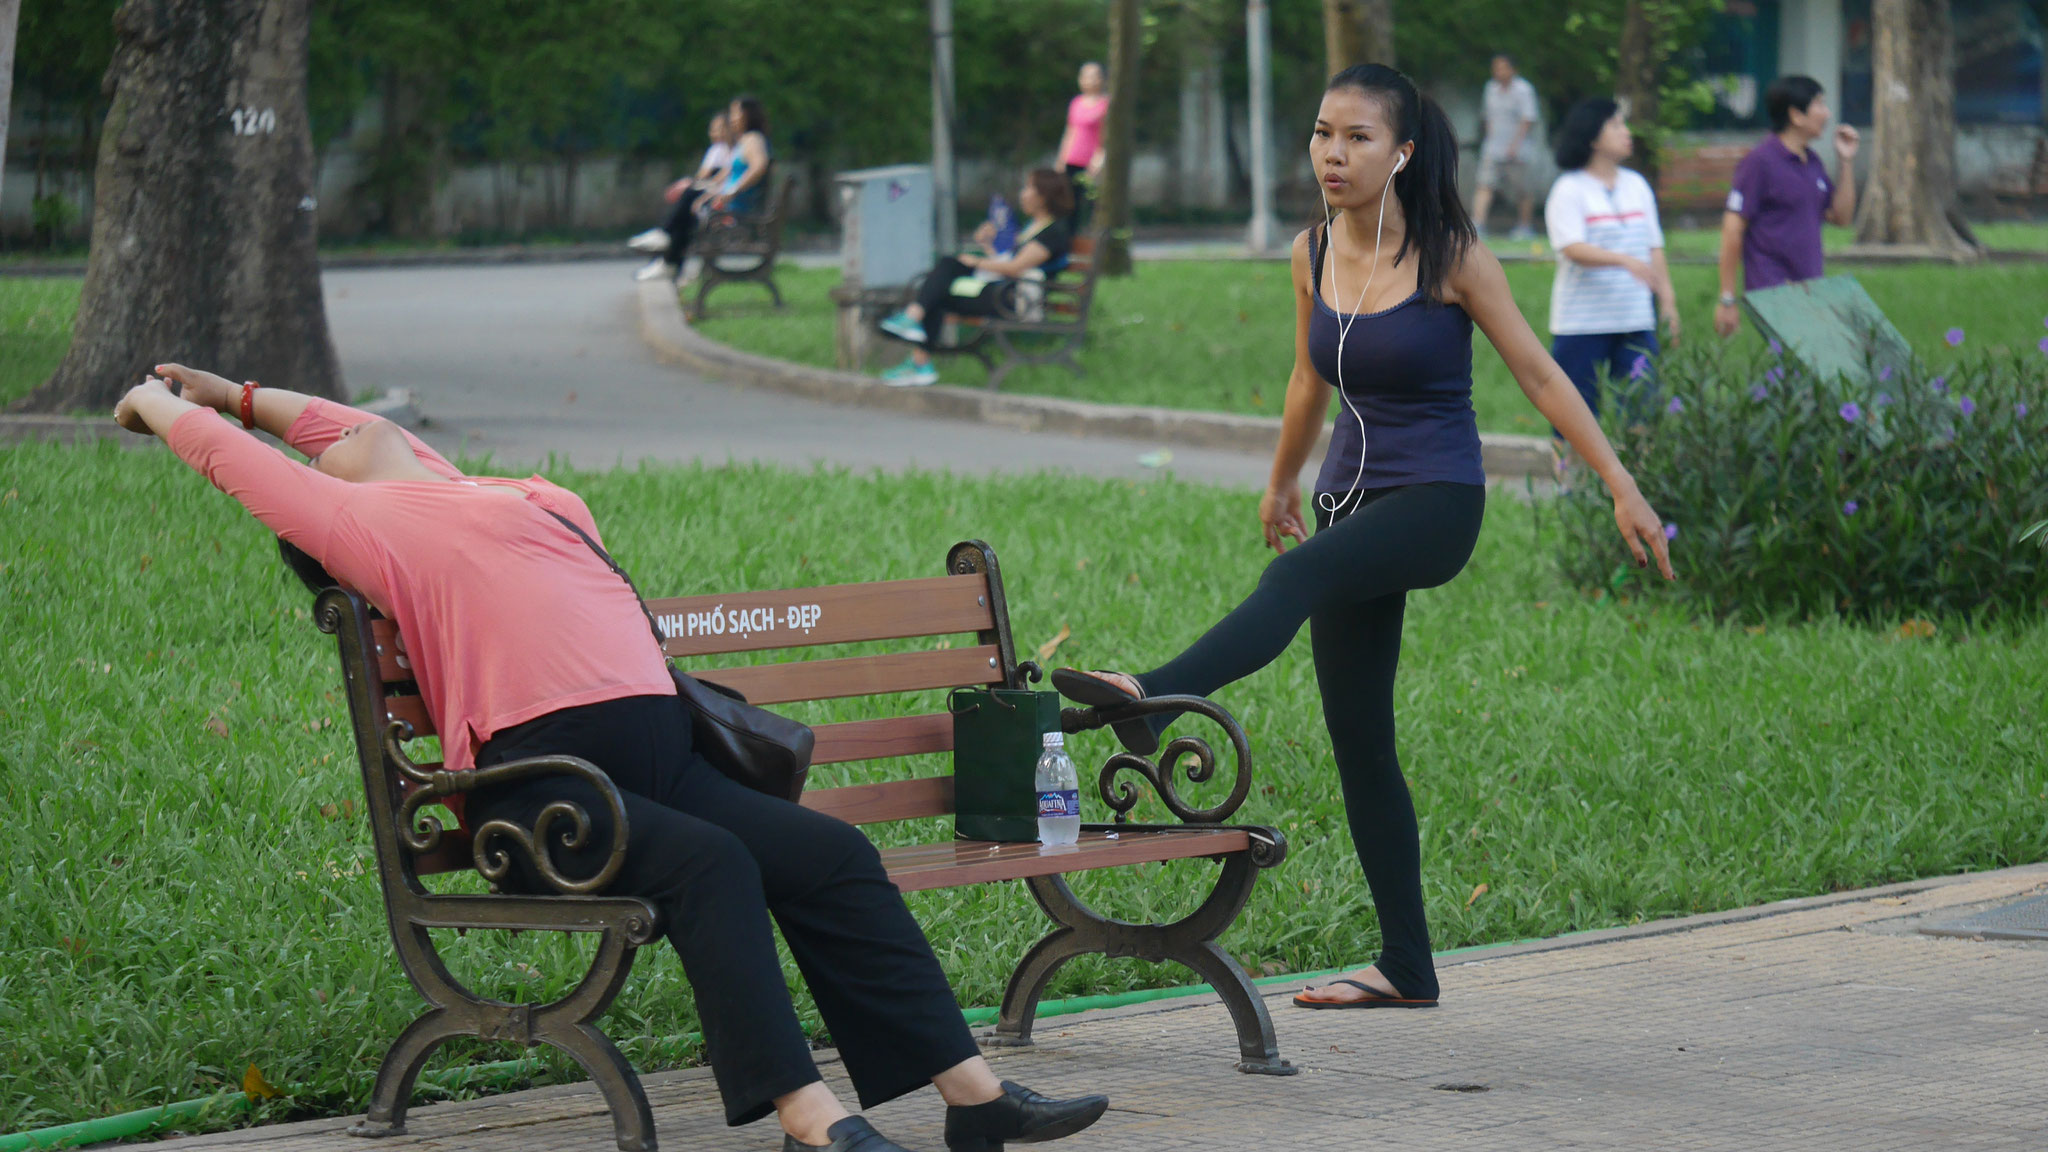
{"x":524,"y":642}
{"x":688,"y":199}
{"x":990,"y":285}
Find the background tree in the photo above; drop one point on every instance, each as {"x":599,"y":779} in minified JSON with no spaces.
{"x":1357,"y":32}
{"x":203,"y":228}
{"x":1120,"y":136}
{"x":1910,"y":198}
{"x":10,"y":18}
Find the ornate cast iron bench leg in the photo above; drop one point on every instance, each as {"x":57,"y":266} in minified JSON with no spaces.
{"x":1190,"y":941}
{"x":564,"y":1024}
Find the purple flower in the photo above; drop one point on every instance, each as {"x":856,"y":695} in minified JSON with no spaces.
{"x":1775,"y":375}
{"x":1851,"y":412}
{"x":1777,"y":348}
{"x":1954,"y":337}
{"x":1967,"y":405}
{"x":1849,"y":509}
{"x":1676,"y":405}
{"x":2043,"y":345}
{"x":1883,"y":398}
{"x":1758,"y":393}
{"x":1671,"y":531}
{"x":1940,"y":384}
{"x":1641,"y":367}
{"x":1885,"y":372}
{"x":2020,"y":409}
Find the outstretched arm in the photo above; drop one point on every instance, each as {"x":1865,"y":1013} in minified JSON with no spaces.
{"x":307,"y":423}
{"x":1482,"y":288}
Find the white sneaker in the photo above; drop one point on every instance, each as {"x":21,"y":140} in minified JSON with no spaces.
{"x":653,"y":240}
{"x":654,"y":269}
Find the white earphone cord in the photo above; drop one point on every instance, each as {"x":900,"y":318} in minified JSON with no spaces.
{"x":1345,"y":320}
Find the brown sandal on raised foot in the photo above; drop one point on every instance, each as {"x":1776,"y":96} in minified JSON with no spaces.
{"x":1374,"y":998}
{"x":1091,"y":689}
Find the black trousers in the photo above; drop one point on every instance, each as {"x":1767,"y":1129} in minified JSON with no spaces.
{"x":936,"y":296}
{"x":1077,"y":220}
{"x":718,"y":859}
{"x":681,"y":226}
{"x":1350,"y":582}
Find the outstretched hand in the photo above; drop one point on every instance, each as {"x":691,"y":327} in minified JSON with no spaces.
{"x":201,"y":387}
{"x":127,"y":412}
{"x":1640,"y":527}
{"x":1280,"y":513}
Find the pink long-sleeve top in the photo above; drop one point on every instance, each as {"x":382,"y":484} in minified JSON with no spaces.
{"x":505,"y":614}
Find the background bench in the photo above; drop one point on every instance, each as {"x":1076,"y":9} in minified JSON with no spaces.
{"x":411,"y":842}
{"x":737,"y":249}
{"x":1003,"y":346}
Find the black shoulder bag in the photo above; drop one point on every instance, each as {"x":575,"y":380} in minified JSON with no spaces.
{"x":764,"y":751}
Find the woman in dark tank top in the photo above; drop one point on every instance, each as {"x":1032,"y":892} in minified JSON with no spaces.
{"x":1386,"y":295}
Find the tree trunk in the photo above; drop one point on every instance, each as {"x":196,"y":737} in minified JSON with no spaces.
{"x":1910,"y":198}
{"x":1635,"y":84}
{"x":1120,"y":132}
{"x":1357,"y":32}
{"x":10,"y":18}
{"x":203,"y":221}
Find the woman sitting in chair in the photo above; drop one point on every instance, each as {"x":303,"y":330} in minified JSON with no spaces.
{"x":526,"y":643}
{"x":986,"y":285}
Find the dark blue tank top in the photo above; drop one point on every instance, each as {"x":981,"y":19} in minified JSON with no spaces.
{"x":1408,"y":372}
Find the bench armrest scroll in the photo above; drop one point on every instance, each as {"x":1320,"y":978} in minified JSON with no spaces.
{"x":1191,"y":754}
{"x":563,"y":821}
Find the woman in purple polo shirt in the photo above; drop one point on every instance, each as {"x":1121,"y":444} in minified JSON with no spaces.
{"x":1780,"y":196}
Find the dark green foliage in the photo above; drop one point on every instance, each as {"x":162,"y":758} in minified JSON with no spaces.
{"x":1907,"y":495}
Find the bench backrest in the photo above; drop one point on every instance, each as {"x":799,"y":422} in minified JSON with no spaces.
{"x":968,"y":599}
{"x":1069,"y":295}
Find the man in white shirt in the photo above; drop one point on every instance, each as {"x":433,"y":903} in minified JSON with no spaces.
{"x":1507,"y":120}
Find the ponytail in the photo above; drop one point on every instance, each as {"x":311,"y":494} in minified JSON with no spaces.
{"x":1439,"y":231}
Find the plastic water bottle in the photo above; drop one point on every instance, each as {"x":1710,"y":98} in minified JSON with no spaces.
{"x":1006,"y":225}
{"x":1059,"y":793}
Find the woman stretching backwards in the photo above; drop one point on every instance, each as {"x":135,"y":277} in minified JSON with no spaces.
{"x":525,"y":643}
{"x":1399,"y":499}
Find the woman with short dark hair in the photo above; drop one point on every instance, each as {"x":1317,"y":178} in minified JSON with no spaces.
{"x":1385,"y":297}
{"x":525,"y":642}
{"x":987,"y":284}
{"x":1611,"y":277}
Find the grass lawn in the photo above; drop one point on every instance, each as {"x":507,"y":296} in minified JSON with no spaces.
{"x":1218,"y":335}
{"x":35,"y":330}
{"x":186,"y":888}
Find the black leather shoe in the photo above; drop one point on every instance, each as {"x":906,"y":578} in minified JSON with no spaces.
{"x":852,"y":1134}
{"x":1019,"y":1116}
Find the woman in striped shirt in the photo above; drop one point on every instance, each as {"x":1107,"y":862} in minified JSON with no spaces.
{"x":1602,"y":220}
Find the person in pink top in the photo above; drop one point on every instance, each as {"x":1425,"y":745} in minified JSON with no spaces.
{"x":1081,"y":144}
{"x":526,"y":643}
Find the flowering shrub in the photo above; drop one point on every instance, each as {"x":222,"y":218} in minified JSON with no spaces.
{"x":1908,"y":493}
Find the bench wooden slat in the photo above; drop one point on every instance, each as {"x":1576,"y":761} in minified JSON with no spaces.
{"x":835,"y":614}
{"x":949,"y":865}
{"x":881,"y":739}
{"x":862,"y":675}
{"x":412,"y":710}
{"x":389,"y":670}
{"x":882,"y":802}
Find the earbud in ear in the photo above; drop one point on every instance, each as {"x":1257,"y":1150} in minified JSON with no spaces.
{"x":1400,"y":162}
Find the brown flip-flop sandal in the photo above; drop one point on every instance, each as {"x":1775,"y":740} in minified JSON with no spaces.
{"x":1374,"y":998}
{"x":1091,"y":689}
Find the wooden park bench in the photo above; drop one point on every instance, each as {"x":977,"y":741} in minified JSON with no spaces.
{"x":1004,"y":345}
{"x":736,"y":248}
{"x":410,"y":843}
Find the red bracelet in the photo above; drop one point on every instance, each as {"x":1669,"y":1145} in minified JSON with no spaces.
{"x":249,"y":405}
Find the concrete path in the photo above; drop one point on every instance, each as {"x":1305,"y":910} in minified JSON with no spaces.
{"x":522,"y":361}
{"x":1827,"y":1023}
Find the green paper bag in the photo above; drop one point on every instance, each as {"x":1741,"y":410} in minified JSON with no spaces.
{"x":997,"y":738}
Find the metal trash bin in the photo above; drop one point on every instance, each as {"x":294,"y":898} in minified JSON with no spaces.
{"x":886,"y":242}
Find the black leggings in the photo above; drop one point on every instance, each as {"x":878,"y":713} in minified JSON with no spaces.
{"x":936,"y":297}
{"x":1350,"y":583}
{"x":681,"y":226}
{"x":717,"y":858}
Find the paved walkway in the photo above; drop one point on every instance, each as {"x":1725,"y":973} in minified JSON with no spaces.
{"x":1829,"y":1023}
{"x":527,"y":360}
